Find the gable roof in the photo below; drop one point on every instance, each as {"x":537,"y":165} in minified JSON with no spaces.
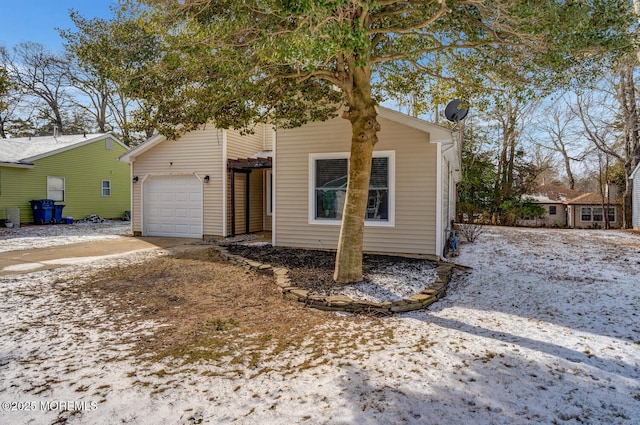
{"x":550,"y":194}
{"x":22,"y":151}
{"x":591,"y":199}
{"x":437,"y":133}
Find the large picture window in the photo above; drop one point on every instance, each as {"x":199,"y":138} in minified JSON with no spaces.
{"x":597,"y":214}
{"x":55,"y":188}
{"x":329,"y":174}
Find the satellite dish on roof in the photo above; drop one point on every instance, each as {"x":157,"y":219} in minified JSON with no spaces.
{"x":456,"y":110}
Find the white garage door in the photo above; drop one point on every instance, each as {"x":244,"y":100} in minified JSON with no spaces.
{"x":173,"y":206}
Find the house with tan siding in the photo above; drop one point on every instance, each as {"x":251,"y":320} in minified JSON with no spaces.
{"x":292,"y":182}
{"x":571,"y":208}
{"x":591,"y":210}
{"x":552,"y":198}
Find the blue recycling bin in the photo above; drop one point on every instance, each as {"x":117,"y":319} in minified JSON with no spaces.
{"x":57,"y":213}
{"x":42,"y":210}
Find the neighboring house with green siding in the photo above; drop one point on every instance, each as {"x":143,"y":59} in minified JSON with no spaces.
{"x":81,"y":172}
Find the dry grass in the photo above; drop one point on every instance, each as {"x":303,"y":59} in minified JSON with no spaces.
{"x":209,"y":310}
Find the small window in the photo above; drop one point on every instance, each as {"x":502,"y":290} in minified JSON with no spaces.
{"x":55,"y":188}
{"x":553,"y":210}
{"x":612,"y":215}
{"x":585,"y":214}
{"x":106,"y":187}
{"x":108,"y":144}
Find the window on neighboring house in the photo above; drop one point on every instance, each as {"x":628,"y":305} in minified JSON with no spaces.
{"x":597,"y":214}
{"x":106,"y":187}
{"x":55,"y":188}
{"x":329,"y":173}
{"x":552,"y":210}
{"x":612,"y":214}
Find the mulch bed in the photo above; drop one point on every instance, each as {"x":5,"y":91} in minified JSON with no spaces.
{"x":312,"y":269}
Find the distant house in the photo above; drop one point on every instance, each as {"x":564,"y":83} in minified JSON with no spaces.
{"x":292,"y":182}
{"x":635,"y":178}
{"x":588,"y":210}
{"x":552,"y":199}
{"x":571,"y":208}
{"x":81,"y":172}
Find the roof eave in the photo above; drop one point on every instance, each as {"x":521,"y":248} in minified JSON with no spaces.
{"x":74,"y":146}
{"x":142,"y":148}
{"x":17,"y":164}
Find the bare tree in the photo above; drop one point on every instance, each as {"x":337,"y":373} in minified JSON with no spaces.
{"x":43,"y":77}
{"x":559,"y":126}
{"x":96,"y":94}
{"x":616,"y":136}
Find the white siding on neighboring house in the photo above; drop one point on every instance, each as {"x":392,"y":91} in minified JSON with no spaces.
{"x":635,"y":178}
{"x":415,"y":187}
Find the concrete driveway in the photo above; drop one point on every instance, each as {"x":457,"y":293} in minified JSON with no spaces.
{"x":32,"y":260}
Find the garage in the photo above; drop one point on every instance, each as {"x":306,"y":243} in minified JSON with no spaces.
{"x":172,"y":206}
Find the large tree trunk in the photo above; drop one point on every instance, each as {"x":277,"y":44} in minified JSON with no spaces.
{"x":364,"y":127}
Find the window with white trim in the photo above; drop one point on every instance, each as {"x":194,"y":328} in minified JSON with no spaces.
{"x":55,"y":188}
{"x":597,"y":214}
{"x":328,"y":188}
{"x":106,"y":187}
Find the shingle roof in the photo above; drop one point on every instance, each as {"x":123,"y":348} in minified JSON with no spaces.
{"x":24,"y":150}
{"x":591,"y":199}
{"x":551,"y":194}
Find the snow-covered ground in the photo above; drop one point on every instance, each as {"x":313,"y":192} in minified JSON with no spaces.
{"x":544,"y":329}
{"x":27,"y":237}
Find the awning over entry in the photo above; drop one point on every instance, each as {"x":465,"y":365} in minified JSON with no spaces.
{"x":249,"y":163}
{"x":260,"y":161}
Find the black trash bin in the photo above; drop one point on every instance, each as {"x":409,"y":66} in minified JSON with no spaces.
{"x":42,"y":210}
{"x":57,"y":213}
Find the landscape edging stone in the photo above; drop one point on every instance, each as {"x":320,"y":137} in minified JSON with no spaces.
{"x":435,"y":291}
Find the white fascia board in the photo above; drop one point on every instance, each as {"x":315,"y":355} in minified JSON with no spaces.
{"x":141,"y":148}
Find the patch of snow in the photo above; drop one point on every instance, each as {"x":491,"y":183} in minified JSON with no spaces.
{"x":393,"y":282}
{"x":543,"y":329}
{"x":44,"y":236}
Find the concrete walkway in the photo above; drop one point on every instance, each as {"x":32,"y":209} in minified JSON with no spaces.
{"x":32,"y":260}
